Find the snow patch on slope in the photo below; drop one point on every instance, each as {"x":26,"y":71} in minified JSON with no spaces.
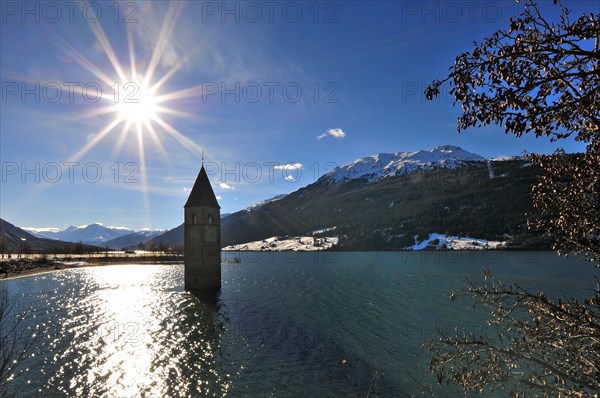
{"x":34,"y":230}
{"x":260,"y":204}
{"x":322,"y":230}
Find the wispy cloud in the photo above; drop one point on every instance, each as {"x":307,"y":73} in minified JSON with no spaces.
{"x":289,"y":166}
{"x":335,"y":133}
{"x":224,"y":185}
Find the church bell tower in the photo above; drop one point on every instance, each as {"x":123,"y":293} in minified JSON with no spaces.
{"x":202,"y":242}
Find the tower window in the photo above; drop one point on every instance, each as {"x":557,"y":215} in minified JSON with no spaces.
{"x":210,"y":219}
{"x":193,"y":218}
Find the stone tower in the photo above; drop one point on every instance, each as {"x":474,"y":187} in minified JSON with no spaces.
{"x":202,"y":231}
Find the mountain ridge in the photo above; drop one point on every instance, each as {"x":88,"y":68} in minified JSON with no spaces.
{"x":383,"y":165}
{"x":94,"y":233}
{"x":393,"y":198}
{"x":387,"y":213}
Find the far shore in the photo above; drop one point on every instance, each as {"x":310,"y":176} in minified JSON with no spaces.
{"x":27,"y":265}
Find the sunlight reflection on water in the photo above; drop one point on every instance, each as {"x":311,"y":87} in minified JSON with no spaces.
{"x":136,"y":335}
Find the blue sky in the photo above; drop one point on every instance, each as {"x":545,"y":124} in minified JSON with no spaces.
{"x":255,"y":85}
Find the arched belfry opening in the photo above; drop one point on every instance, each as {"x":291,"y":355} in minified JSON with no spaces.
{"x":202,"y":237}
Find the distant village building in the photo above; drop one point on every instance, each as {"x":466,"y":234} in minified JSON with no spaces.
{"x":202,"y":230}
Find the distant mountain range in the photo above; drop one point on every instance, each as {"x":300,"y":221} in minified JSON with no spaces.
{"x":133,"y":240}
{"x":98,"y":235}
{"x":386,"y":201}
{"x":95,"y":233}
{"x":14,"y":239}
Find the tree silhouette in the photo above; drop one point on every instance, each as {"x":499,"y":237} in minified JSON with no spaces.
{"x":537,"y":77}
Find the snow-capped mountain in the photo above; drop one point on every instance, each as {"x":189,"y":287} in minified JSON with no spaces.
{"x":383,"y":165}
{"x":94,"y":234}
{"x":17,"y":240}
{"x":457,"y":193}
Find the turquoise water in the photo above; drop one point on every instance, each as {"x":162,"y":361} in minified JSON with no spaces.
{"x":284,"y":324}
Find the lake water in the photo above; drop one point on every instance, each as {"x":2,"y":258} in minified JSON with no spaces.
{"x":284,"y":324}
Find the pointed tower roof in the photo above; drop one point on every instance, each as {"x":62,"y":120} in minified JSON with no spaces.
{"x":202,"y":193}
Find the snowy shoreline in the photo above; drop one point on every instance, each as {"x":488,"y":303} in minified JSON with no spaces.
{"x":309,"y":243}
{"x":296,"y":243}
{"x":446,"y":242}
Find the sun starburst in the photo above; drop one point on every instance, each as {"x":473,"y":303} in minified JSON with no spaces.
{"x":135,"y":100}
{"x":135,"y":104}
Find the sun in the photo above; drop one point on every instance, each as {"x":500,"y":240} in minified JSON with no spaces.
{"x":135,"y":102}
{"x":139,"y":109}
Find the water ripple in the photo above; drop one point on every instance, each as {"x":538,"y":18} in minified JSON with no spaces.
{"x":342,"y":325}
